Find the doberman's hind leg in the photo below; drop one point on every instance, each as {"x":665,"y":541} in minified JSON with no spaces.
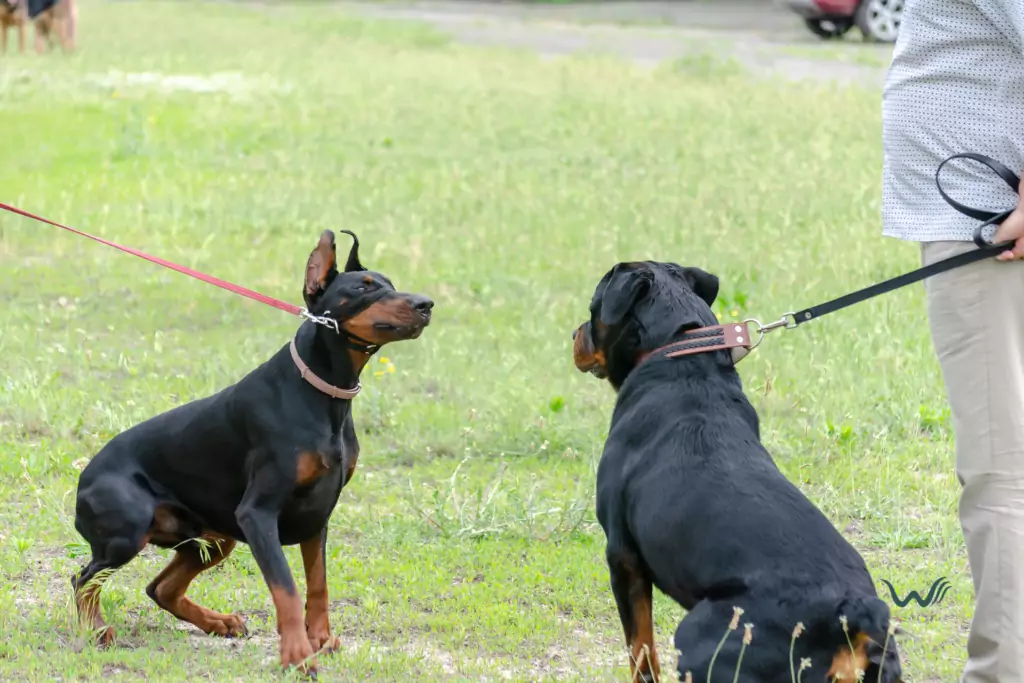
{"x":115,"y":517}
{"x":88,"y":583}
{"x":168,"y":588}
{"x":108,"y":554}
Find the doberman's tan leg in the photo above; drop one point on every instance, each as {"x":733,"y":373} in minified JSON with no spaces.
{"x":318,"y":626}
{"x":168,"y":589}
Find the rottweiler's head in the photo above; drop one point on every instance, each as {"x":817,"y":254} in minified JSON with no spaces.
{"x":364,"y":303}
{"x":638,"y":307}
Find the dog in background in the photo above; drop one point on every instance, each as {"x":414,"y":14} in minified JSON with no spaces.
{"x":13,"y":14}
{"x":691,"y":502}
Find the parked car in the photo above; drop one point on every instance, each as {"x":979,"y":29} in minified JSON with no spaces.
{"x":877,"y":20}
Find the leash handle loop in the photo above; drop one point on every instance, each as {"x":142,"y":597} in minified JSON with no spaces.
{"x":987,"y":218}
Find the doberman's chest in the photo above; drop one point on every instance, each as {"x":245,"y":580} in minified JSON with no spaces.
{"x":320,"y":475}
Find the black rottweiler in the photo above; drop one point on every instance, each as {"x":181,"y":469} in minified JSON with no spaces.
{"x":262,"y":462}
{"x":691,"y":502}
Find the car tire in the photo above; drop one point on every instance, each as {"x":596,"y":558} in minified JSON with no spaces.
{"x":879,"y":20}
{"x":829,"y":29}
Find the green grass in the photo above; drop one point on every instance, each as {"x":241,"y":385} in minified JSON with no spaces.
{"x":503,"y":185}
{"x":847,"y":51}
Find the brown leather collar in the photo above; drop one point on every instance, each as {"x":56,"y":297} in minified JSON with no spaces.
{"x":733,"y":336}
{"x":321,"y":385}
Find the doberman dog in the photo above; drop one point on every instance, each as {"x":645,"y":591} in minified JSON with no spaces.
{"x":691,"y":502}
{"x":262,"y":462}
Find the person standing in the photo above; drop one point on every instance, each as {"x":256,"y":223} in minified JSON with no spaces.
{"x":54,"y":15}
{"x":72,"y":22}
{"x":956,"y":84}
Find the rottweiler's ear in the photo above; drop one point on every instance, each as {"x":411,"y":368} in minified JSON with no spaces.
{"x":320,"y":269}
{"x":353,"y":264}
{"x":703,"y":283}
{"x":624,"y":289}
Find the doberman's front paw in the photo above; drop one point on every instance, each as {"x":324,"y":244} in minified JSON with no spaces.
{"x":646,"y":676}
{"x":645,"y":673}
{"x":105,"y":636}
{"x":323,"y":642}
{"x":229,"y":626}
{"x":318,"y":630}
{"x":296,"y":651}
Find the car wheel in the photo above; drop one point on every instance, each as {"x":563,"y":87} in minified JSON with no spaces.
{"x":879,"y":20}
{"x":829,"y":28}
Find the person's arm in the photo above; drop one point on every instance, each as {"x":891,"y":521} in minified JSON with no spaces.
{"x":1013,"y":227}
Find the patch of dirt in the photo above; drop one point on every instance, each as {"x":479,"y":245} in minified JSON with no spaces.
{"x":229,"y":82}
{"x":119,"y":670}
{"x":559,"y":662}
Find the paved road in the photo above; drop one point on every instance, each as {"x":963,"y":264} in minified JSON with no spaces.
{"x":766,"y":38}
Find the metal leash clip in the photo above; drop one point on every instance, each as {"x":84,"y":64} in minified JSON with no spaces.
{"x":320,"y":320}
{"x":788,"y":321}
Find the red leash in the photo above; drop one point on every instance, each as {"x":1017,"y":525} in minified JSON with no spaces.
{"x":262,"y":298}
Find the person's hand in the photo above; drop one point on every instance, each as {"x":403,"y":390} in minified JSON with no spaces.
{"x":1013,"y":229}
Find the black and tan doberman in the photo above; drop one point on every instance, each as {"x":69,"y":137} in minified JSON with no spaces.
{"x":261,"y":462}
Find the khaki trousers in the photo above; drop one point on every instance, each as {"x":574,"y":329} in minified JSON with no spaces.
{"x":976,"y":315}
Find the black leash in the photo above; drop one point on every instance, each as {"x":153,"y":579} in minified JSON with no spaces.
{"x":985,"y":250}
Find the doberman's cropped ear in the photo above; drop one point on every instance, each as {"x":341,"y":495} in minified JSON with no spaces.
{"x":624,"y":289}
{"x":703,"y":283}
{"x":320,"y":269}
{"x":353,"y":264}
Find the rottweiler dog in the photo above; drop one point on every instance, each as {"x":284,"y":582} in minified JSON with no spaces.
{"x":691,"y":502}
{"x":261,"y":462}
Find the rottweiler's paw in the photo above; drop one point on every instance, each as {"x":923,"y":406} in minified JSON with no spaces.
{"x":296,"y":651}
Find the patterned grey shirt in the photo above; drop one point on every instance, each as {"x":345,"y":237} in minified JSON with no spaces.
{"x":956,"y":84}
